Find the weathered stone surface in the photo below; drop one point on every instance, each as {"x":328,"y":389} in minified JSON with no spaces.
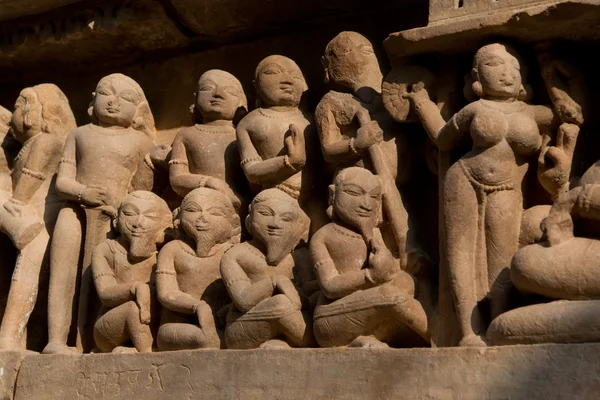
{"x":9,"y":366}
{"x":554,"y":20}
{"x":513,"y":372}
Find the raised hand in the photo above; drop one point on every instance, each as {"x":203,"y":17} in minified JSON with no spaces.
{"x":295,"y":148}
{"x":381,"y":261}
{"x":368,"y":135}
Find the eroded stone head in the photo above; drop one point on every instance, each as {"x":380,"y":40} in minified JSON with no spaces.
{"x":350,"y":62}
{"x":279,"y":82}
{"x":142,"y":220}
{"x":220,"y":96}
{"x":42,"y":109}
{"x":355,"y":197}
{"x":497,"y":72}
{"x":120,"y":101}
{"x":277,"y":221}
{"x":208,"y":218}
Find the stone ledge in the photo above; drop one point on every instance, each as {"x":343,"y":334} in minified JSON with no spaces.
{"x":563,"y":19}
{"x":513,"y":372}
{"x":10,"y":361}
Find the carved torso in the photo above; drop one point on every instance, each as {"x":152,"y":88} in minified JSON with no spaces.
{"x":109,"y":157}
{"x":346,"y":248}
{"x":124,"y":270}
{"x":267,"y":130}
{"x":212,"y":151}
{"x":344,"y":108}
{"x":504,"y":135}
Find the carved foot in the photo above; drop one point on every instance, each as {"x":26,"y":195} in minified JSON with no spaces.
{"x":368,"y":342}
{"x":59,"y":348}
{"x":274,"y":344}
{"x":124,"y":350}
{"x":473,"y":341}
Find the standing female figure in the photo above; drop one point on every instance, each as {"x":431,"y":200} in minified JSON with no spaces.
{"x":482,"y":197}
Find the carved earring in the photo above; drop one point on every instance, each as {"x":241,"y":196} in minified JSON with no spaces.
{"x":325,"y":67}
{"x":477,"y":88}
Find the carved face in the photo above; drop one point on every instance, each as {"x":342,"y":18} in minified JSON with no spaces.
{"x":499,"y":72}
{"x":116,"y":102}
{"x":218,"y":96}
{"x":275,"y":221}
{"x":279,"y":82}
{"x":27,"y":118}
{"x":141,"y":224}
{"x":205,"y":217}
{"x":357,"y":198}
{"x":351,"y":61}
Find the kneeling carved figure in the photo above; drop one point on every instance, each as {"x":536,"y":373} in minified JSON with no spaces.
{"x":366,"y":300}
{"x":268,"y":280}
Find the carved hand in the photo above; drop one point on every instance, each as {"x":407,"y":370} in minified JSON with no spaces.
{"x":368,"y":135}
{"x":18,"y":210}
{"x":295,"y":148}
{"x":285,"y":286}
{"x":223,"y":187}
{"x":142,"y":299}
{"x":417,"y":95}
{"x":95,"y":196}
{"x":381,"y":262}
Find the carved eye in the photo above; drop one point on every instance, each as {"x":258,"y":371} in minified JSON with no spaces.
{"x":205,"y":89}
{"x":286,"y":218}
{"x":265,"y":213}
{"x":191,"y":209}
{"x":375,"y":196}
{"x":271,"y":71}
{"x":352,"y":192}
{"x":216,"y":212}
{"x":128,"y":213}
{"x":366,"y":51}
{"x":103,"y":92}
{"x":297,"y":77}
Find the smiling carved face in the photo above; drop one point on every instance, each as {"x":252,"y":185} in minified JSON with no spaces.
{"x":116,"y":102}
{"x":141,"y":224}
{"x":219,"y":96}
{"x":205,"y":217}
{"x":280,"y":82}
{"x":357,"y":198}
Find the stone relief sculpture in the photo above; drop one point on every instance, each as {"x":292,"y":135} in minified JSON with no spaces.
{"x":41,"y":121}
{"x":124,"y":275}
{"x":482,"y":195}
{"x":189,"y":281}
{"x":5,"y":157}
{"x":277,"y":140}
{"x":562,"y":267}
{"x":366,"y":299}
{"x":356,"y":130}
{"x":206,"y":154}
{"x":268,"y":280}
{"x":101,"y":162}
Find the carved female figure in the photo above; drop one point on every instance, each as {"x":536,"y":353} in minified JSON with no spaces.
{"x":189,"y":281}
{"x":277,"y":139}
{"x":124,"y":275}
{"x":41,"y":121}
{"x":101,"y":162}
{"x":206,"y":154}
{"x":482,"y":199}
{"x":267,"y":279}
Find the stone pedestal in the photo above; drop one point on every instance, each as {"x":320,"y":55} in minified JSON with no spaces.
{"x":513,"y":372}
{"x":10,"y":361}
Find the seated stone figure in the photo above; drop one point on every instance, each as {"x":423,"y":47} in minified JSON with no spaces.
{"x":267,"y":279}
{"x":189,"y":282}
{"x":124,"y":270}
{"x":563,"y":267}
{"x":366,"y":299}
